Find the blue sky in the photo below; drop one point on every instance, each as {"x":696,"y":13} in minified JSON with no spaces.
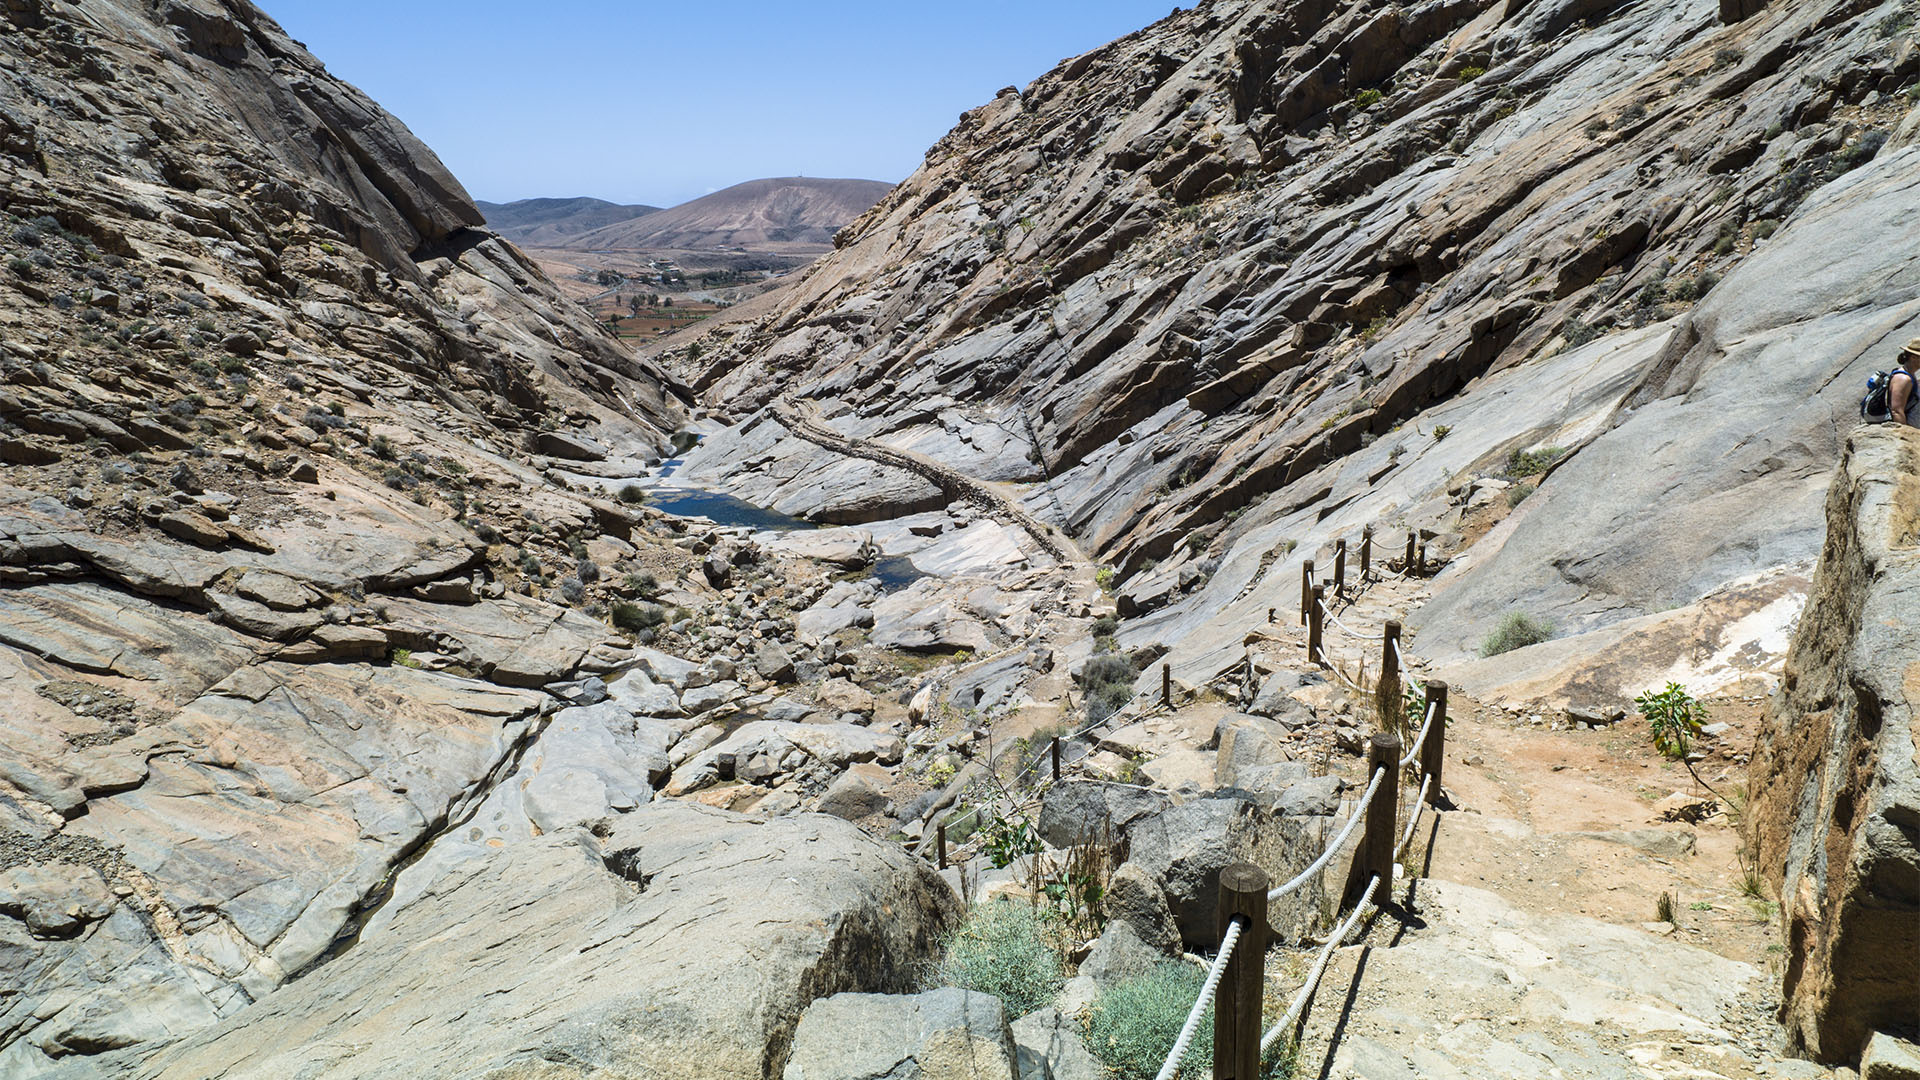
{"x":660,"y":103}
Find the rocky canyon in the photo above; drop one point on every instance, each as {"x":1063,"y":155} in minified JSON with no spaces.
{"x":402,"y":675}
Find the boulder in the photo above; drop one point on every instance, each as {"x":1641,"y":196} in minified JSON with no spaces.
{"x":857,"y":793}
{"x":569,"y":445}
{"x":1073,"y":811}
{"x":944,"y":1034}
{"x":844,"y":696}
{"x":54,"y":900}
{"x":1050,"y":1047}
{"x":707,"y":934}
{"x":834,"y":745}
{"x":773,"y":663}
{"x":1890,"y":1058}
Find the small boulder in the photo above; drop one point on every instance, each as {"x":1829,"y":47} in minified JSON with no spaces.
{"x":773,"y":663}
{"x":945,"y":1034}
{"x":1890,"y":1058}
{"x":844,"y":696}
{"x":857,"y":793}
{"x":571,"y":446}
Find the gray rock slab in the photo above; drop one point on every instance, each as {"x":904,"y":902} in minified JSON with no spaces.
{"x":945,"y":1034}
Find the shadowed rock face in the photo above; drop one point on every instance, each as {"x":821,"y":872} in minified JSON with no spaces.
{"x":1834,"y":816}
{"x":1219,"y":281}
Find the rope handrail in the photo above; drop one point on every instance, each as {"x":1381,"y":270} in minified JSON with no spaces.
{"x":1319,"y":967}
{"x":1400,"y":661}
{"x":1360,"y":811}
{"x":1342,"y":675}
{"x":1413,"y":819}
{"x":1207,"y":990}
{"x":1420,"y":740}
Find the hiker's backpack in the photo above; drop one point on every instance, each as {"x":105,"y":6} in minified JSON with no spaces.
{"x":1877,"y":406}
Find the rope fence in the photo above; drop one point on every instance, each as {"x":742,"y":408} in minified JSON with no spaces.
{"x":1235,"y":979}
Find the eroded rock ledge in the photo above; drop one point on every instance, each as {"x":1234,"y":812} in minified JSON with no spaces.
{"x":1834,"y":819}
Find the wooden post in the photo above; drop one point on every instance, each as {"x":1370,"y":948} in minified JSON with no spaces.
{"x":1383,"y":819}
{"x":1433,"y":753}
{"x":1413,"y":538}
{"x":940,"y":844}
{"x":1056,"y":757}
{"x":1166,"y":685}
{"x":1270,"y":614}
{"x":1339,"y":568}
{"x":1314,"y":601}
{"x":1422,"y":558}
{"x":1306,"y":590}
{"x":1366,"y":553}
{"x":1387,"y":691}
{"x":1236,"y":1005}
{"x":726,"y":767}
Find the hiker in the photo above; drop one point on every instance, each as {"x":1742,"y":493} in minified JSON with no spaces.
{"x":1903,"y":402}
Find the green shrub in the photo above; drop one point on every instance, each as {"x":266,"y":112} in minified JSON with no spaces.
{"x":1518,"y":493}
{"x":634,"y":618}
{"x":1004,"y":949}
{"x":1471,"y":72}
{"x":382,"y":447}
{"x":1108,"y":681}
{"x":633,"y":494}
{"x":1524,"y":463}
{"x":1131,"y":1027}
{"x":1366,"y":99}
{"x":1517,"y":631}
{"x":645,"y":586}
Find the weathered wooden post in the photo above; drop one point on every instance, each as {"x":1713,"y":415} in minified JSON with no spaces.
{"x":1383,"y":819}
{"x":1422,"y":559}
{"x":1339,"y":568}
{"x":1306,"y":590}
{"x":1056,"y":757}
{"x":1387,"y":691}
{"x":1366,"y":554}
{"x":1433,"y":753}
{"x":1166,"y":685}
{"x":1270,"y":614}
{"x":1413,"y":537}
{"x":1236,"y":1005}
{"x":1314,"y":607}
{"x":940,"y":844}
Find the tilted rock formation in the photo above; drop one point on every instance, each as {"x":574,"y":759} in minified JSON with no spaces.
{"x":1834,"y":814}
{"x":1217,"y":282}
{"x":272,"y":417}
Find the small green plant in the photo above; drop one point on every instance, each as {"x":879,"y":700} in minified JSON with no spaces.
{"x":643,"y":585}
{"x":1675,"y":717}
{"x":1442,"y":432}
{"x":1132,"y":1027}
{"x":1004,"y":949}
{"x":1699,"y":905}
{"x":1471,"y":72}
{"x":1366,"y":99}
{"x":1517,"y":631}
{"x":381,"y":447}
{"x":1103,"y":577}
{"x":404,"y":658}
{"x":1663,"y":909}
{"x":1518,"y":493}
{"x":1008,"y":839}
{"x":633,"y":494}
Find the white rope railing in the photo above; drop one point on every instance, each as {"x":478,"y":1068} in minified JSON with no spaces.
{"x":1335,"y":668}
{"x":1420,"y":740}
{"x":1400,"y":661}
{"x":1207,"y":990}
{"x":1413,"y":819}
{"x":1319,"y":967}
{"x":1360,"y":811}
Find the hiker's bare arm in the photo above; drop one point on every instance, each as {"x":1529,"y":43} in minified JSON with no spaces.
{"x":1899,"y":398}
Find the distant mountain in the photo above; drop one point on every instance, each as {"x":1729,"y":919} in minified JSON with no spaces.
{"x":785,"y":213}
{"x":551,"y":222}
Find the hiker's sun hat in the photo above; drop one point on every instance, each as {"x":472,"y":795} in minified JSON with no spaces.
{"x":1912,"y":349}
